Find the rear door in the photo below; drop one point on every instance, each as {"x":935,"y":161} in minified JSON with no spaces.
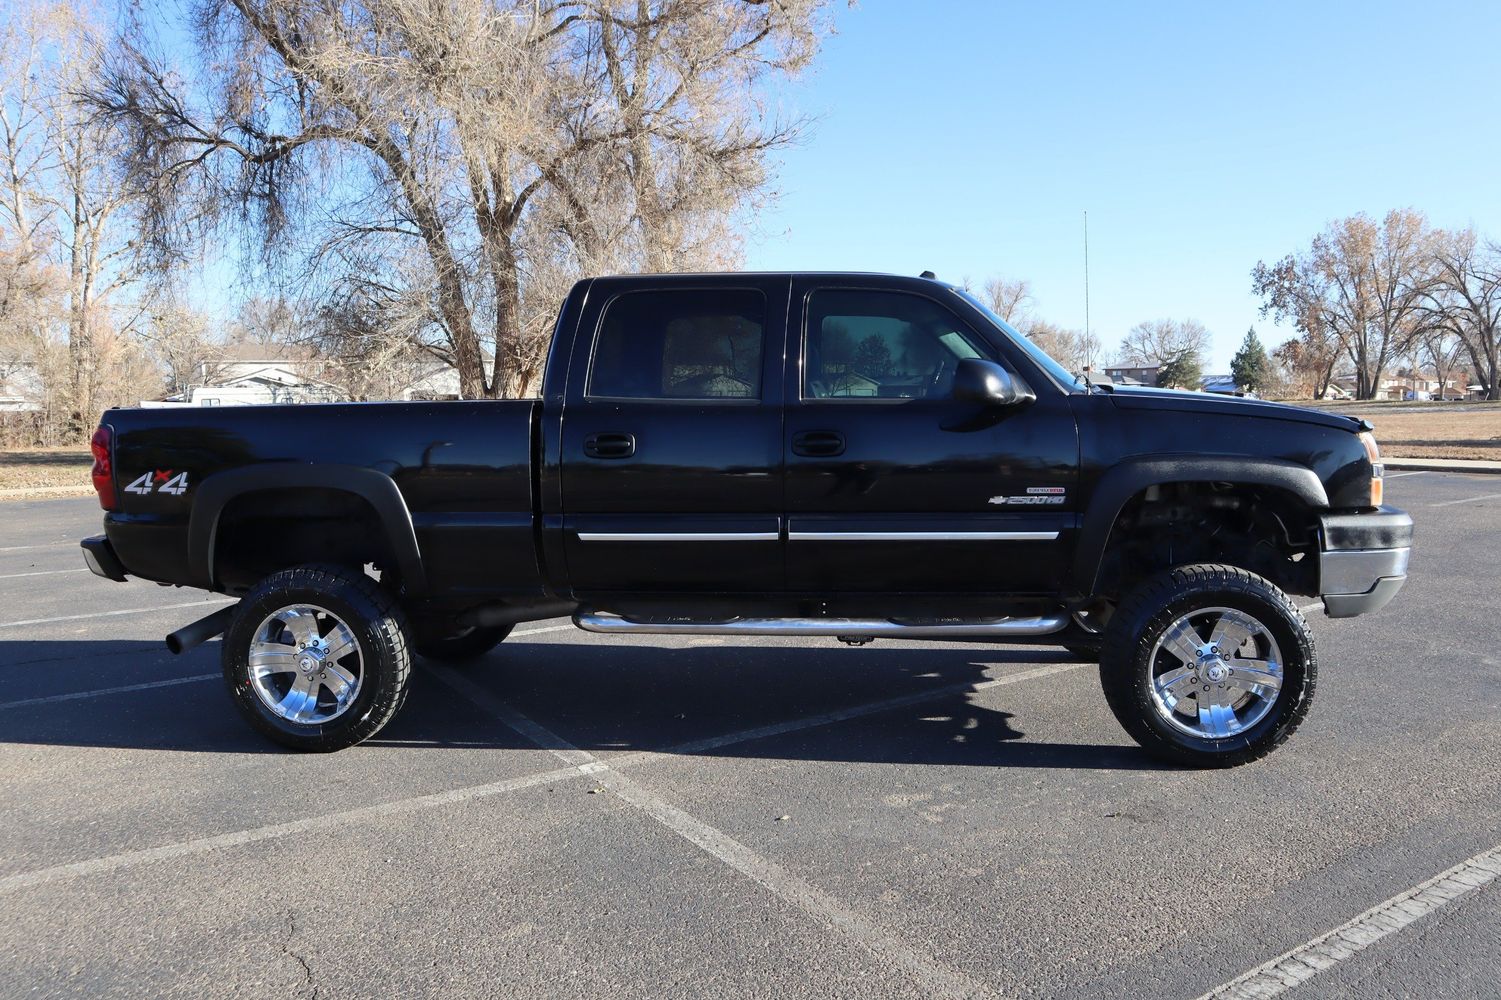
{"x":893,"y":485}
{"x":671,"y":462}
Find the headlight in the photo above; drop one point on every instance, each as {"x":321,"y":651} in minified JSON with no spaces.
{"x":1377,"y":472}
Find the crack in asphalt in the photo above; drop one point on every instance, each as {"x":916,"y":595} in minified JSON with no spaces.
{"x":286,"y":948}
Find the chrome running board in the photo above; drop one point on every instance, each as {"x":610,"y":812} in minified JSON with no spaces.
{"x":865,"y":628}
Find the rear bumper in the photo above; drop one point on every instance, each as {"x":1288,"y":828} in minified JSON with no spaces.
{"x":1363,"y":560}
{"x":100,"y":557}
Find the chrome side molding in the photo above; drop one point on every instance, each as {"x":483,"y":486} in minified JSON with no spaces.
{"x":875,"y":628}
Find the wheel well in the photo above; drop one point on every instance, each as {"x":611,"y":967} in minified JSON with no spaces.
{"x":1266,"y":530}
{"x":264,"y":531}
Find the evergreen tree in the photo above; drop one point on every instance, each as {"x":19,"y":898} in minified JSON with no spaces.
{"x":1250,"y":368}
{"x":1182,"y":371}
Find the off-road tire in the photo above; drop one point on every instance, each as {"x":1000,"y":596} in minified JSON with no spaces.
{"x":1151,"y":609}
{"x":465,"y":646}
{"x":378,"y":625}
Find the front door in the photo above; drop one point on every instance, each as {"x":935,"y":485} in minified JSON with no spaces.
{"x":893,"y":485}
{"x":672,"y":438}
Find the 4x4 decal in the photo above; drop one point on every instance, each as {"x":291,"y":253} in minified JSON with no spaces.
{"x":159,"y":481}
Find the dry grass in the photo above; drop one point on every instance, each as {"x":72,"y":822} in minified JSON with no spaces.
{"x":1464,"y":431}
{"x":35,"y":469}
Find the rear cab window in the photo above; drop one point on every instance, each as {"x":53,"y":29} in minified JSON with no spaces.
{"x":680,"y":344}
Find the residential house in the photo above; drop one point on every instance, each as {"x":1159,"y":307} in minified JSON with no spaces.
{"x":21,"y":389}
{"x":1224,"y":385}
{"x":1133,"y":374}
{"x":1407,"y":384}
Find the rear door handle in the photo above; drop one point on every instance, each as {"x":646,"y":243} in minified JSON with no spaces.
{"x":610,"y":445}
{"x":818,"y":444}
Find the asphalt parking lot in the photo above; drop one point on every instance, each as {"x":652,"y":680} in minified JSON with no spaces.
{"x":585,"y":816}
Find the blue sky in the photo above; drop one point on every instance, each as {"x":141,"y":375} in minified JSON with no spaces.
{"x":969,"y":138}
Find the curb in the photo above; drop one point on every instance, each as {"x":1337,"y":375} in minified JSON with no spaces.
{"x":1442,"y":465}
{"x":37,"y":492}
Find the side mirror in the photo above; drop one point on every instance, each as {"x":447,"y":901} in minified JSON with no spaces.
{"x":987,"y":383}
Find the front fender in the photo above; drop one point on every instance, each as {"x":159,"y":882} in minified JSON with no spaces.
{"x":1123,"y":481}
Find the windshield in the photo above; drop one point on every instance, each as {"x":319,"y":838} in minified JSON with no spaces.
{"x":1061,"y":374}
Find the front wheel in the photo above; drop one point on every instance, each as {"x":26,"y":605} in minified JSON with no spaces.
{"x":317,"y":657}
{"x":1208,"y":665}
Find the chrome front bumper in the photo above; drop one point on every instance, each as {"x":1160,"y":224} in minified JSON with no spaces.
{"x":1363,"y":561}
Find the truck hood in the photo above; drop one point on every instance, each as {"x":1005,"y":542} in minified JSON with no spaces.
{"x":1142,"y":398}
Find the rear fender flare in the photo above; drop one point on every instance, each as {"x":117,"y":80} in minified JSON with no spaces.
{"x":1123,"y":481}
{"x":375,"y":488}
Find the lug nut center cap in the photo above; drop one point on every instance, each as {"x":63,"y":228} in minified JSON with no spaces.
{"x":1217,"y":672}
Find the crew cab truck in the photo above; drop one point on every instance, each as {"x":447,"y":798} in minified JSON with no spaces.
{"x":855,"y":456}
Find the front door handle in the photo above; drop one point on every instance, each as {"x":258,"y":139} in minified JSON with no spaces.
{"x":818,"y":444}
{"x":610,"y":445}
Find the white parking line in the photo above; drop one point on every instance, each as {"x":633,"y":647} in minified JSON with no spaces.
{"x":127,"y":859}
{"x":1451,"y":503}
{"x":1399,"y":475}
{"x":49,"y":545}
{"x":587,"y":766}
{"x":44,"y":572}
{"x":936,"y":978}
{"x":97,"y":692}
{"x":1302,"y":963}
{"x":842,"y":714}
{"x":112,"y":614}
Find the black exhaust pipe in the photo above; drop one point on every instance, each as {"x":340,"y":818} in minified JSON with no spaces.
{"x":515,"y":614}
{"x":200,"y":631}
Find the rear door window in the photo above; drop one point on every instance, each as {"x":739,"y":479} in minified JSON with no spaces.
{"x":680,"y":344}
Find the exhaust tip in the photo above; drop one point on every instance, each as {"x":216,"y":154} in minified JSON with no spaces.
{"x":201,"y":631}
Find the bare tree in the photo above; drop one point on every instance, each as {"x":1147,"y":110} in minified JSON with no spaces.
{"x":1010,"y":299}
{"x":1307,"y":364}
{"x":62,"y":207}
{"x":1464,"y":301}
{"x":177,"y":339}
{"x":1159,"y":341}
{"x":1072,"y":349}
{"x":459,"y":152}
{"x":1361,"y":281}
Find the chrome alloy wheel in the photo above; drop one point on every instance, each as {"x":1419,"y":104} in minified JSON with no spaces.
{"x":1215,"y":673}
{"x":305,"y":664}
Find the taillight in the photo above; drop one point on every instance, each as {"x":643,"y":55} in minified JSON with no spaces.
{"x":103,"y":474}
{"x":1378,"y":481}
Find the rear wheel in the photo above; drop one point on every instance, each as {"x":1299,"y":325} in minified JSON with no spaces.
{"x":317,"y":658}
{"x":1208,"y":665}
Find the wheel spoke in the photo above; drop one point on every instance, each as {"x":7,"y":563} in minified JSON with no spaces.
{"x":340,"y":643}
{"x":1255,"y":676}
{"x":303,"y":625}
{"x":1178,"y":682}
{"x":267,"y":658}
{"x":1183,"y":642}
{"x":301,"y":701}
{"x":1230,"y":633}
{"x":340,"y":683}
{"x":1216,"y":719}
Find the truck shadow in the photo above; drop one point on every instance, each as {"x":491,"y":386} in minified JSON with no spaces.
{"x":721,"y":699}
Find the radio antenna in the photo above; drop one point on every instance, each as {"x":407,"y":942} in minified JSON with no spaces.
{"x":1088,"y":339}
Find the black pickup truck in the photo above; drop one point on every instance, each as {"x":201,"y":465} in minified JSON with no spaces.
{"x":855,"y":456}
